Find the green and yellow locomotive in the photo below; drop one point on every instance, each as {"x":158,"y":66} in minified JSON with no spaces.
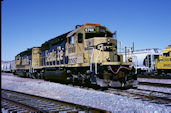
{"x":86,"y":55}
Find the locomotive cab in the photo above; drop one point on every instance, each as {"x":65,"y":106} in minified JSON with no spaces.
{"x":92,"y":48}
{"x":88,"y":37}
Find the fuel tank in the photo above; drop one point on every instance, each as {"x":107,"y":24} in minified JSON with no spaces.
{"x":20,"y":73}
{"x":55,"y":75}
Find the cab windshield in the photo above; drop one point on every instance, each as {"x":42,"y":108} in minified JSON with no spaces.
{"x":98,"y":34}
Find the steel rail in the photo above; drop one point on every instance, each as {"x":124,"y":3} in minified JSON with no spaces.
{"x":43,"y":104}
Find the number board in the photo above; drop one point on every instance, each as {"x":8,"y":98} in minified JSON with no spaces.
{"x":89,"y":30}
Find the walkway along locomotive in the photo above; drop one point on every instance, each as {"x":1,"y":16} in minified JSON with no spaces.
{"x":86,"y":55}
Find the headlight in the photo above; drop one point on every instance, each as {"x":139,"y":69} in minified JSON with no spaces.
{"x":108,"y":59}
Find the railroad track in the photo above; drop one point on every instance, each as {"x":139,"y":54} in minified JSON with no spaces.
{"x":20,"y":102}
{"x":155,"y":76}
{"x":152,"y":96}
{"x":147,"y":94}
{"x":165,"y":83}
{"x":144,"y":95}
{"x":155,"y":84}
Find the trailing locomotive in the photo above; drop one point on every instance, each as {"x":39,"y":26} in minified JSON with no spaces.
{"x":87,"y":56}
{"x":164,"y":61}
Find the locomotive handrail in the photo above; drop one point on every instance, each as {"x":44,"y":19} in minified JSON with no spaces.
{"x":97,"y":59}
{"x":91,"y":58}
{"x":136,"y":64}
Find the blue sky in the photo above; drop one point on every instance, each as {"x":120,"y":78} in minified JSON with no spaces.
{"x":29,"y":23}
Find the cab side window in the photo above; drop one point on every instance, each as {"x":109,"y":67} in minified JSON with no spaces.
{"x":17,"y":57}
{"x":71,"y":40}
{"x":80,"y":38}
{"x":166,"y":54}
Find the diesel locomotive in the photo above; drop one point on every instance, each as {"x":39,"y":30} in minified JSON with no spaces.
{"x":86,"y":55}
{"x":164,"y":61}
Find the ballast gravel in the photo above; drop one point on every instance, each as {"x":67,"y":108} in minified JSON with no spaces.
{"x":92,"y":98}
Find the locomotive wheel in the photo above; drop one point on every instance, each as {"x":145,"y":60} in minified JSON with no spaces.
{"x":39,"y":75}
{"x":27,"y":74}
{"x":14,"y":73}
{"x":121,"y":76}
{"x":87,"y":83}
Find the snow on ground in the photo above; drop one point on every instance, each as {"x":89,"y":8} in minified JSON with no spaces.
{"x":97,"y":99}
